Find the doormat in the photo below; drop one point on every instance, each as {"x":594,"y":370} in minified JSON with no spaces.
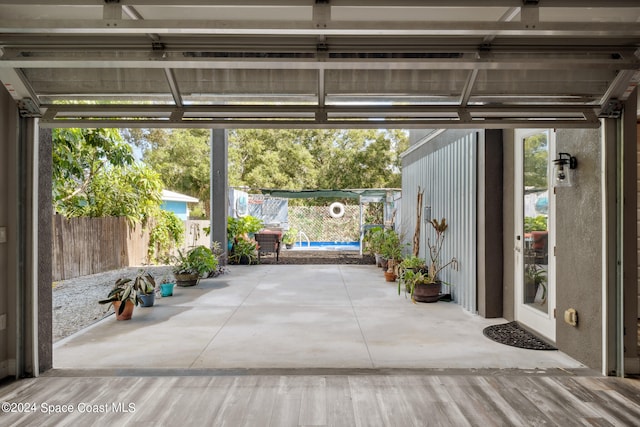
{"x":512,"y":334}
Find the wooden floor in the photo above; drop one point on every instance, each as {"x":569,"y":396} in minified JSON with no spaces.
{"x":317,"y":400}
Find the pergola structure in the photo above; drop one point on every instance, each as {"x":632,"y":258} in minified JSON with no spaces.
{"x":320,"y":63}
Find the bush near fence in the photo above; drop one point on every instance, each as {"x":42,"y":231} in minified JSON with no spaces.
{"x":320,"y":226}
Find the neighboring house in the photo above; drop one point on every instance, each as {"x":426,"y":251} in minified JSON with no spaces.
{"x":177,"y":203}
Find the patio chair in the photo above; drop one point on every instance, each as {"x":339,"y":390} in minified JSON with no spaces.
{"x":268,"y":243}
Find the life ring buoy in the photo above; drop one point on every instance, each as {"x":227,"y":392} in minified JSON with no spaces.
{"x":336,"y":210}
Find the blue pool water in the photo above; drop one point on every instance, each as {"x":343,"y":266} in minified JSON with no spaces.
{"x":328,"y":246}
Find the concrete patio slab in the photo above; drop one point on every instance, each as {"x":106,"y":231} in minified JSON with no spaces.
{"x":297,"y":317}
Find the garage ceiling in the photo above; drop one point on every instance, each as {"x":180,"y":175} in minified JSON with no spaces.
{"x":322,"y":63}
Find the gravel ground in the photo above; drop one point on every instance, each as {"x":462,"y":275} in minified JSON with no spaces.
{"x":75,"y":301}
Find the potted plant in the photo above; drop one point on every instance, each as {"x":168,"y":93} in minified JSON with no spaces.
{"x":197,"y":262}
{"x":535,"y":284}
{"x":251,"y":225}
{"x":145,"y":287}
{"x":166,"y":286}
{"x":123,"y":298}
{"x":420,"y":286}
{"x":289,"y":238}
{"x":244,"y":227}
{"x":428,"y":288}
{"x":373,"y":239}
{"x":244,"y":252}
{"x":239,"y":232}
{"x":392,"y":252}
{"x":216,"y":248}
{"x":411,"y":264}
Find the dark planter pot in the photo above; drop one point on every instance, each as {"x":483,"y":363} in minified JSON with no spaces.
{"x":147,"y":300}
{"x":390,"y":276}
{"x":378,"y":260}
{"x":384,"y":263}
{"x":187,"y":279}
{"x":288,"y":245}
{"x":128,"y":310}
{"x":166,"y":289}
{"x":428,"y":292}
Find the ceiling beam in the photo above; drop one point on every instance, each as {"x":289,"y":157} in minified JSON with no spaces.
{"x":316,"y":124}
{"x":309,"y":116}
{"x":309,"y":110}
{"x":468,"y":87}
{"x":173,"y":86}
{"x":321,"y":88}
{"x":338,"y":3}
{"x":490,"y":61}
{"x":301,"y":28}
{"x":17,"y":84}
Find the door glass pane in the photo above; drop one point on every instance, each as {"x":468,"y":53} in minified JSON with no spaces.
{"x":536,"y":214}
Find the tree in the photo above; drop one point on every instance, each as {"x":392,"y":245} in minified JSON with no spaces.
{"x":536,"y":158}
{"x":94,"y":174}
{"x":364,"y":159}
{"x":298,"y":159}
{"x":133,"y":191}
{"x":272,"y":158}
{"x":180,"y":156}
{"x":262,"y":158}
{"x":80,"y":154}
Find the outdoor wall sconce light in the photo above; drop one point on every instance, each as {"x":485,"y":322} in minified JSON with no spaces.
{"x":563,"y":170}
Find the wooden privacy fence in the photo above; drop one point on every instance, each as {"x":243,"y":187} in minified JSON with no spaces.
{"x":83,"y":246}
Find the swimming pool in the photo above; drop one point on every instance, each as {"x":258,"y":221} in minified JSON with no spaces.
{"x":327,"y":246}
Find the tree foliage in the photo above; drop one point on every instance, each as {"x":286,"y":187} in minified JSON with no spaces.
{"x":94,"y":174}
{"x":321,"y":159}
{"x":180,"y":156}
{"x":260,"y":158}
{"x":284,"y":159}
{"x":165,"y":235}
{"x":536,"y":158}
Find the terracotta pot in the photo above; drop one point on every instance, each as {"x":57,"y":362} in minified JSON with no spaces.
{"x":128,"y":310}
{"x":427,"y":292}
{"x":187,"y":279}
{"x":390,"y":276}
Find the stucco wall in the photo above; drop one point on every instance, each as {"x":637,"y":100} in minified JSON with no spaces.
{"x":8,"y":219}
{"x":579,"y":248}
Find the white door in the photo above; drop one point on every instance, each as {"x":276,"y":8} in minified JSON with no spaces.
{"x":535,"y":294}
